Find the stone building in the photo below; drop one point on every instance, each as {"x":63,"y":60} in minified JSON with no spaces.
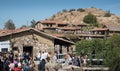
{"x":32,"y":40}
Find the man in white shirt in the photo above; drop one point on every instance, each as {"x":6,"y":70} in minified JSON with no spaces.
{"x":39,"y":56}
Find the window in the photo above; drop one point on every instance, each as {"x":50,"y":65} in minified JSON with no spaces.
{"x":4,"y":49}
{"x":50,"y":25}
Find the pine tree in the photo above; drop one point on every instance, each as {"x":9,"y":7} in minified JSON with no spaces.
{"x":33,"y":22}
{"x":9,"y":25}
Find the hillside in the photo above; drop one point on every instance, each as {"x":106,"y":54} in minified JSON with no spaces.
{"x":77,"y":16}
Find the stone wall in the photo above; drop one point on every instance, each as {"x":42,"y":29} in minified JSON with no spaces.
{"x":38,"y":43}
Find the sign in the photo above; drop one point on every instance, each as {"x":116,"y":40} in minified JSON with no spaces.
{"x":4,"y":46}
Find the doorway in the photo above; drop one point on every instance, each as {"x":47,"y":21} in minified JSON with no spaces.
{"x":28,"y":49}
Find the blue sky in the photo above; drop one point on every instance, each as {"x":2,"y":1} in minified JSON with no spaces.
{"x":23,"y":11}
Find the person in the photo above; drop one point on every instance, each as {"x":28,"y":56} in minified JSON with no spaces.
{"x":46,"y":54}
{"x":41,"y":66}
{"x":15,"y":61}
{"x":16,"y":68}
{"x":20,"y":64}
{"x":42,"y":56}
{"x":55,"y":69}
{"x":1,"y":65}
{"x":5,"y":64}
{"x":78,"y":60}
{"x":24,"y":55}
{"x":75,"y":61}
{"x":47,"y":69}
{"x":11,"y":56}
{"x":26,"y":67}
{"x":85,"y":60}
{"x":72,"y":69}
{"x":54,"y":58}
{"x":11,"y":65}
{"x":32,"y":64}
{"x":69,"y":59}
{"x":25,"y":61}
{"x":39,"y":56}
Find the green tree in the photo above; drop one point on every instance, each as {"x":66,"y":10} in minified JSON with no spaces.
{"x":98,"y":46}
{"x":23,"y":26}
{"x":107,"y":14}
{"x":83,"y":47}
{"x":33,"y":22}
{"x":9,"y":25}
{"x":113,"y":59}
{"x":95,"y":46}
{"x":81,"y":10}
{"x":115,"y":40}
{"x":90,"y":19}
{"x":64,"y":10}
{"x":108,"y":49}
{"x":71,"y":10}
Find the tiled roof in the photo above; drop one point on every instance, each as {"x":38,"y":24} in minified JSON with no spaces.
{"x":91,"y":35}
{"x":19,"y":30}
{"x":47,"y":21}
{"x":113,"y":27}
{"x":69,"y":28}
{"x":52,"y":22}
{"x":61,"y":23}
{"x":7,"y":32}
{"x":100,"y":29}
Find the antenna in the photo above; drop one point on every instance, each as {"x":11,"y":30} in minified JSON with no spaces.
{"x":27,"y":23}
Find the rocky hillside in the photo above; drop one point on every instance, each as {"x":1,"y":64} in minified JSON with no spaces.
{"x":76,"y":16}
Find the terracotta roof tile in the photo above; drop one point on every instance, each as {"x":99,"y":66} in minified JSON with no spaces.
{"x":91,"y":35}
{"x":100,"y":29}
{"x":61,"y":22}
{"x":7,"y":32}
{"x":47,"y":21}
{"x":52,"y":22}
{"x":69,"y":28}
{"x":113,"y":27}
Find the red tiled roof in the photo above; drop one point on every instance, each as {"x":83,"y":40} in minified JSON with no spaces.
{"x":2,"y":32}
{"x":100,"y":29}
{"x":61,"y":23}
{"x":52,"y":22}
{"x":47,"y":21}
{"x":91,"y":35}
{"x":7,"y":32}
{"x":68,"y":28}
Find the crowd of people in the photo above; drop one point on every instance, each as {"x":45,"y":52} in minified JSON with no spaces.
{"x":73,"y":59}
{"x":70,"y":59}
{"x":25,"y":62}
{"x":16,"y":62}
